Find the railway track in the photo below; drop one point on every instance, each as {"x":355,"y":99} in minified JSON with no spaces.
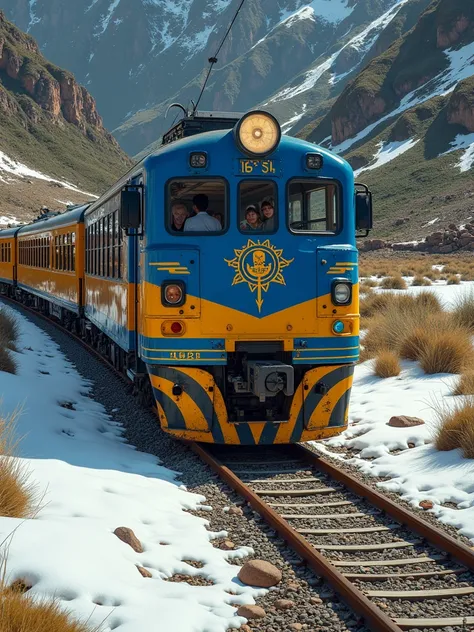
{"x":395,"y":570}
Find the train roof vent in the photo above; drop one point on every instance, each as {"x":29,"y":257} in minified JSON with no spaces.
{"x":201,"y":122}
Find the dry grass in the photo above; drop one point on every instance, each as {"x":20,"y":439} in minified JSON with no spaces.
{"x":465,"y":385}
{"x":455,"y":428}
{"x":453,"y":280}
{"x":372,"y":265}
{"x":21,"y":613}
{"x":464,"y":310}
{"x":447,"y":351}
{"x":17,"y":493}
{"x":396,"y":282}
{"x":387,"y":364}
{"x":8,"y":336}
{"x":420,"y":280}
{"x":368,"y":283}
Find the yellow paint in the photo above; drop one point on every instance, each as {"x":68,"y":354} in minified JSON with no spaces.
{"x":322,"y":413}
{"x":154,"y":311}
{"x":173,"y":267}
{"x":112,"y":298}
{"x":7,"y":268}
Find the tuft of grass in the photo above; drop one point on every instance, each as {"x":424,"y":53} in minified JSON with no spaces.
{"x":447,"y":351}
{"x":368,"y":283}
{"x":7,"y":363}
{"x":396,"y":282}
{"x":464,"y":310}
{"x":9,"y":330}
{"x":17,"y":494}
{"x":420,"y":280}
{"x":387,"y":364}
{"x":453,"y":280}
{"x":20,"y":612}
{"x":413,"y":343}
{"x":455,"y":428}
{"x":465,"y":385}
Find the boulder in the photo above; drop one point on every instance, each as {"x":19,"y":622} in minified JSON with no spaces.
{"x":259,"y":573}
{"x":403,"y":421}
{"x":144,"y":572}
{"x":251,"y":612}
{"x":426,"y":504}
{"x":126,"y":535}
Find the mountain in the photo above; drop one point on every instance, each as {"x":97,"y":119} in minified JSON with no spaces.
{"x":406,"y":124}
{"x":138,"y":56}
{"x":54,"y":149}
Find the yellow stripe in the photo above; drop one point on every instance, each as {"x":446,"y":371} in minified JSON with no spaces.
{"x":327,"y":358}
{"x":346,"y":263}
{"x":173,"y":360}
{"x":195,"y":350}
{"x":164,"y":263}
{"x":330,"y":349}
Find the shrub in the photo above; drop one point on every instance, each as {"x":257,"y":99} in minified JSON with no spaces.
{"x":453,"y":280}
{"x":387,"y":364}
{"x":396,"y":282}
{"x":429,"y":302}
{"x":464,"y":310}
{"x":9,"y":330}
{"x":455,"y":428}
{"x":413,"y":343}
{"x":420,"y":280}
{"x":17,"y":494}
{"x":447,"y":351}
{"x":7,"y":363}
{"x":19,"y":612}
{"x":465,"y":385}
{"x":369,"y":283}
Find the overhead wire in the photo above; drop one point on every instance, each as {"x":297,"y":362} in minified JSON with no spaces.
{"x":213,"y":60}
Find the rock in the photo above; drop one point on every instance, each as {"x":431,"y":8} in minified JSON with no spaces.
{"x":403,"y":421}
{"x":235,"y":511}
{"x":144,"y":572}
{"x":251,"y":612}
{"x":245,"y":628}
{"x":295,"y":626}
{"x":426,"y":504}
{"x":126,"y":535}
{"x":284,"y":604}
{"x":293,"y":587}
{"x":316,"y":601}
{"x":259,"y":573}
{"x":411,"y":444}
{"x":228,"y":545}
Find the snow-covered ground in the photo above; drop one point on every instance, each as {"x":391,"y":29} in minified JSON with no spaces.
{"x":89,"y":482}
{"x":420,"y":472}
{"x":387,"y":152}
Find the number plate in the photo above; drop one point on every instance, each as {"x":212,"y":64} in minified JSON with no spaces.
{"x":258,"y":168}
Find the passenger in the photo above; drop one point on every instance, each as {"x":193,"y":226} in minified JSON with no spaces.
{"x":268,"y":210}
{"x":252,"y":219}
{"x":202,"y":222}
{"x":179,"y":215}
{"x":219,"y":217}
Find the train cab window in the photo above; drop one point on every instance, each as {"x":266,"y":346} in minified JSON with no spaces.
{"x":258,"y":209}
{"x":314,"y":206}
{"x":197,"y":205}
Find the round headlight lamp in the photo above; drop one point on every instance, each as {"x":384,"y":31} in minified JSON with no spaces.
{"x":258,"y":133}
{"x":172,"y":294}
{"x":341,"y":292}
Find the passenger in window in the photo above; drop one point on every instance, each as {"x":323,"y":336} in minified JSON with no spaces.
{"x":202,"y":221}
{"x":268,"y":210}
{"x":219,"y":218}
{"x":252,"y":219}
{"x":179,"y":215}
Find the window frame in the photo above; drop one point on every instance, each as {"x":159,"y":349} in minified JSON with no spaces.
{"x":166,"y":216}
{"x":276,"y":199}
{"x":339,"y":210}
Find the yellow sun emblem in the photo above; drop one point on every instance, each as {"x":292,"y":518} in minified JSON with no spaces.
{"x":258,"y":265}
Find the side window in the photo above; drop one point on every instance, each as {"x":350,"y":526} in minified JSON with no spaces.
{"x":197,"y":205}
{"x":314,"y":206}
{"x":258,"y":209}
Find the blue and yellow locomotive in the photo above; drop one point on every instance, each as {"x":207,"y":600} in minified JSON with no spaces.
{"x":221,"y":274}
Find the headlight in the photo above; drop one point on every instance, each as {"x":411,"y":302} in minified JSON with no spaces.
{"x":172,"y":294}
{"x":258,"y":133}
{"x":341,"y":292}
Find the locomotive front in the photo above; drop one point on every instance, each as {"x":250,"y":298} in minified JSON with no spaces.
{"x":248,"y":301}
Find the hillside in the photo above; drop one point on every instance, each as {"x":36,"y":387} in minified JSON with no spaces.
{"x":54,"y":148}
{"x":406,"y":124}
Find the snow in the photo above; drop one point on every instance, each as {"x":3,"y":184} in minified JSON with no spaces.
{"x":460,"y":67}
{"x":332,"y":11}
{"x":463,"y":141}
{"x":5,"y":220}
{"x":33,"y":18}
{"x":363,"y":41}
{"x":417,"y":473}
{"x":89,"y":481}
{"x":104,"y":23}
{"x":285,"y":128}
{"x":432,"y":221}
{"x":388,"y":152}
{"x":9,"y":165}
{"x":198,"y":41}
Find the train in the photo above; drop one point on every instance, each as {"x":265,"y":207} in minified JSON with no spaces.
{"x":220,"y":275}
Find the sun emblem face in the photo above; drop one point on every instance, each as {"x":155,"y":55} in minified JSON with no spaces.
{"x":258,"y":265}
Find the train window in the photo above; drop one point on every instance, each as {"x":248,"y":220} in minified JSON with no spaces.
{"x":313,"y":206}
{"x":258,"y":206}
{"x":184,"y":197}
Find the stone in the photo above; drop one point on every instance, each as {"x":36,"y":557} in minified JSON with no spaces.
{"x":235,"y":511}
{"x":403,"y":421}
{"x":293,"y":587}
{"x":284,"y":604}
{"x":426,"y":504}
{"x":296,"y":626}
{"x":411,"y":445}
{"x":251,"y":612}
{"x":228,"y":545}
{"x":259,"y":573}
{"x":316,"y":601}
{"x":245,"y":628}
{"x":126,"y":535}
{"x":144,"y":572}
